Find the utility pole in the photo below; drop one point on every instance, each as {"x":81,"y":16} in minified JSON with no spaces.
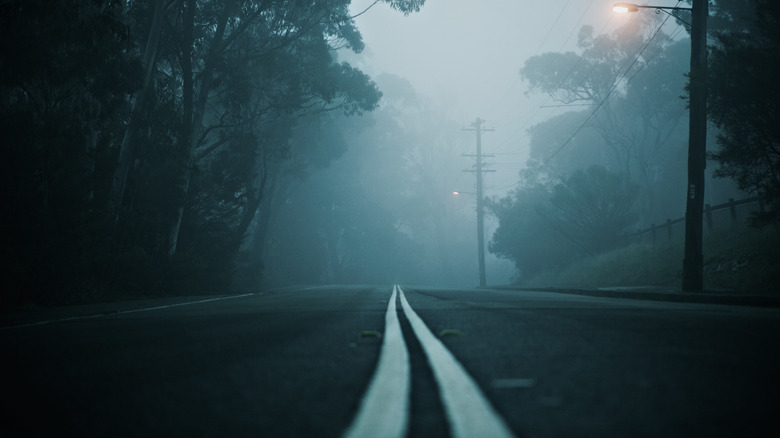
{"x":479,"y":170}
{"x":693,"y":261}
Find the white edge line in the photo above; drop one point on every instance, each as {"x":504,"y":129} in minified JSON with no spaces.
{"x":469,"y":413}
{"x":384,"y":409}
{"x":119,"y":312}
{"x":167,"y":306}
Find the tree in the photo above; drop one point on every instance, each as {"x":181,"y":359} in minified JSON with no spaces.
{"x":524,"y":236}
{"x":592,"y":208}
{"x":240,"y":77}
{"x":285,"y":49}
{"x":137,"y":130}
{"x":546,"y":226}
{"x":66,"y":70}
{"x":633,"y":77}
{"x":744,"y":96}
{"x":149,"y":61}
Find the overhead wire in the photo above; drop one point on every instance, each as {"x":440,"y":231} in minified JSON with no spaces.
{"x":573,"y":29}
{"x":616,"y":82}
{"x":549,"y":31}
{"x":604,"y":100}
{"x":541,"y":44}
{"x":518,"y":78}
{"x":531,"y":115}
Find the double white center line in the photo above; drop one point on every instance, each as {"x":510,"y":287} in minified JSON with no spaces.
{"x":384,"y":410}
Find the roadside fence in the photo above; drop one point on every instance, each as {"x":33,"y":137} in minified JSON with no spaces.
{"x":714,"y":215}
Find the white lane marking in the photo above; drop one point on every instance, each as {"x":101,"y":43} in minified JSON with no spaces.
{"x":384,"y":410}
{"x":468,"y":411}
{"x":119,"y":312}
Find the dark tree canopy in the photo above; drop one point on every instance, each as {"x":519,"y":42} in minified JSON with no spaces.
{"x":632,"y":79}
{"x":546,"y":226}
{"x":142,"y":139}
{"x":593,"y":208}
{"x":745,"y":101}
{"x":65,"y":77}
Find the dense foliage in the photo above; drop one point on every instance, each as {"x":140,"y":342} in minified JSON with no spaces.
{"x":141,"y":138}
{"x":744,"y":101}
{"x":65,"y":78}
{"x":595,"y":172}
{"x":633,"y":78}
{"x":547,"y":226}
{"x":629,"y":82}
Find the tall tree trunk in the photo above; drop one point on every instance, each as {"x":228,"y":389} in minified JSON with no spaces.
{"x":188,"y":90}
{"x":193,"y":111}
{"x":128,"y":141}
{"x":252,"y":205}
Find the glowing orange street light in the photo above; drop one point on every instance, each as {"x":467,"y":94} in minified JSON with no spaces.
{"x":633,"y":7}
{"x":624,"y":7}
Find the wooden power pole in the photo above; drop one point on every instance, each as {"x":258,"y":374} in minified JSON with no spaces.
{"x":479,"y":170}
{"x":693,"y":261}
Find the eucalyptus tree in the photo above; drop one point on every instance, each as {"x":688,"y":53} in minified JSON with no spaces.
{"x":244,"y":71}
{"x":592,"y":208}
{"x":744,"y":96}
{"x":544,"y":225}
{"x":66,"y":70}
{"x":123,"y":119}
{"x":524,"y":235}
{"x":632,"y":79}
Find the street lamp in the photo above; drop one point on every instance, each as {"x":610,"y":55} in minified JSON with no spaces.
{"x":693,"y":260}
{"x":631,"y":7}
{"x":625,"y":7}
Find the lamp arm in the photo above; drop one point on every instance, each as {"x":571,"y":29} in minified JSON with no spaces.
{"x":675,"y":16}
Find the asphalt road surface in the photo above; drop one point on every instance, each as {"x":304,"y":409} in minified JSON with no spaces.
{"x":347,"y":361}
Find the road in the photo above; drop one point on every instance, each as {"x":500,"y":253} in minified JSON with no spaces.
{"x":304,"y":361}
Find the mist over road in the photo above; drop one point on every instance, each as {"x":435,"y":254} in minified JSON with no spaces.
{"x":300,"y":361}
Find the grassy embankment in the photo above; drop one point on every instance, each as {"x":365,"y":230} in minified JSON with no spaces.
{"x":744,"y":259}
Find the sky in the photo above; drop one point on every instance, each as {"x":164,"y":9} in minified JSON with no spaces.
{"x":467,"y":54}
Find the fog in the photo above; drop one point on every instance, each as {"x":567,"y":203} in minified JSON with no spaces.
{"x":439,"y":70}
{"x":173,"y":147}
{"x":465,"y":57}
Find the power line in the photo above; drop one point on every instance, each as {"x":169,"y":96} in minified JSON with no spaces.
{"x":524,"y":125}
{"x":603,"y":101}
{"x":544,"y":40}
{"x":576,"y":25}
{"x":529,"y":117}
